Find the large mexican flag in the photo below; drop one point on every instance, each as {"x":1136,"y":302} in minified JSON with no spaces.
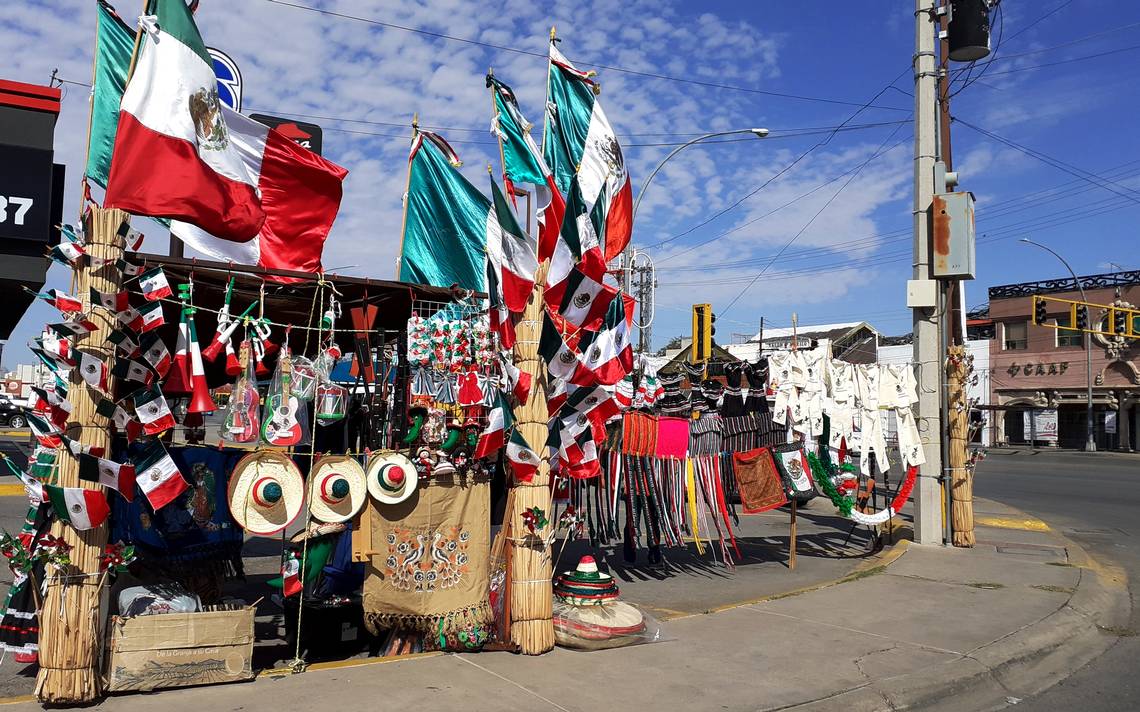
{"x":174,"y":157}
{"x":578,"y":139}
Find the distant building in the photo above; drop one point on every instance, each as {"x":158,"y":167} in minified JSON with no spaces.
{"x":1042,"y":370}
{"x":854,"y":342}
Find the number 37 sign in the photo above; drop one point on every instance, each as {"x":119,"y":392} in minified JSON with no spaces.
{"x":25,"y":193}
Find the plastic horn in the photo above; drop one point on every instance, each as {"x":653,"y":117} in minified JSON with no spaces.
{"x":224,"y":334}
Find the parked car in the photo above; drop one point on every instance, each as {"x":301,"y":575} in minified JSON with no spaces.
{"x":11,"y":415}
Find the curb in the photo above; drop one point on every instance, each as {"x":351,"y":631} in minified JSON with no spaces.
{"x":1020,"y":665}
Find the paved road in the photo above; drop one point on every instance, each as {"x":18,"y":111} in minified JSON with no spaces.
{"x":1094,"y":500}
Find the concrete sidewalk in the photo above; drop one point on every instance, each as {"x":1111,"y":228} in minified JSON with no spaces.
{"x":938,"y":628}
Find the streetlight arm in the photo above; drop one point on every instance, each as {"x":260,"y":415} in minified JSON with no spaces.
{"x":760,"y":133}
{"x":1076,"y":280}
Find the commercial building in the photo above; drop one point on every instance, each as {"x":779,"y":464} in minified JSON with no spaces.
{"x":1040,"y":379}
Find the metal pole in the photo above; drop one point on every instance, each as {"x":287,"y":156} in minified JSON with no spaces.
{"x":928,"y":489}
{"x":1090,"y":437}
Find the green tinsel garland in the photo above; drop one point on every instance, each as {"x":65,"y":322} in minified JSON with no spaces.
{"x":823,"y":477}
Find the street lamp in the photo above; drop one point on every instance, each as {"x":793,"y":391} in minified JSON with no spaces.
{"x":758,"y":133}
{"x":1090,"y":441}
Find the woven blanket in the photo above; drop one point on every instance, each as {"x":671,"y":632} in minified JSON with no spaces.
{"x":429,"y":570}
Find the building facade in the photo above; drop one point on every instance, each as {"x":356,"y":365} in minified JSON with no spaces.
{"x":1039,"y":374}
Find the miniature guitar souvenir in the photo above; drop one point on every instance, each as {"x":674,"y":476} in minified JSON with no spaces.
{"x":280,"y":426}
{"x":241,"y":424}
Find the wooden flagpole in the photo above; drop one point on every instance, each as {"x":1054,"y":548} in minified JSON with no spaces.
{"x":71,"y":620}
{"x":792,"y":543}
{"x":531,"y":594}
{"x":407,"y":189}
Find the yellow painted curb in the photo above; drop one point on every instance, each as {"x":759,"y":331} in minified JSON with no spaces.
{"x":19,"y":700}
{"x":1026,"y":524}
{"x":9,"y":490}
{"x":355,"y":662}
{"x":9,"y":433}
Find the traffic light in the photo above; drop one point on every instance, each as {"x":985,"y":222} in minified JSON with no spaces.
{"x":1082,"y":317}
{"x":703,"y":331}
{"x":1038,"y":310}
{"x":1119,"y":322}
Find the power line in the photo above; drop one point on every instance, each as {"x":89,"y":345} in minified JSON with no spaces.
{"x":543,"y":55}
{"x":810,"y":221}
{"x":1130,"y":48}
{"x":1048,"y":160}
{"x":788,"y":167}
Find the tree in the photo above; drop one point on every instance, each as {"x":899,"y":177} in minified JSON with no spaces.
{"x":673,"y":343}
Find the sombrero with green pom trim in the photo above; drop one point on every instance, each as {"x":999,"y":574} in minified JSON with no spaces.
{"x":339,"y":489}
{"x":586,"y":586}
{"x":266,"y":492}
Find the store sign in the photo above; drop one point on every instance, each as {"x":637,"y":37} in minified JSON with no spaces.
{"x":303,"y":134}
{"x":1038,"y":369}
{"x":1040,"y":425}
{"x":229,"y":78}
{"x":25,"y":193}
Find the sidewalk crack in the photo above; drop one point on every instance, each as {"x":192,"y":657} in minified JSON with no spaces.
{"x":509,"y":681}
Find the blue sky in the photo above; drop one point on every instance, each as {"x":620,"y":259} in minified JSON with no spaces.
{"x":851,"y":262}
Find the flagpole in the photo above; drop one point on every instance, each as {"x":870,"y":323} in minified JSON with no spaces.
{"x":90,"y":113}
{"x":532,"y":625}
{"x":138,"y":41}
{"x":404,"y":200}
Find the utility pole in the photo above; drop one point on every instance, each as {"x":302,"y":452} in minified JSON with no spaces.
{"x":643,"y":284}
{"x":927,"y":352}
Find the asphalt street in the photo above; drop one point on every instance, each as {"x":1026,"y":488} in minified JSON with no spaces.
{"x":1093,"y":499}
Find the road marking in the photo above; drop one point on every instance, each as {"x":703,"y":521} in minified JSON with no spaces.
{"x":8,"y":490}
{"x":355,"y":662}
{"x":1026,"y":524}
{"x":9,"y":433}
{"x":19,"y":700}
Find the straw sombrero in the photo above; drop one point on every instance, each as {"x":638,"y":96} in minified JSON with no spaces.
{"x":392,"y":477}
{"x":586,"y":586}
{"x":598,"y":627}
{"x":266,"y":492}
{"x":339,"y":489}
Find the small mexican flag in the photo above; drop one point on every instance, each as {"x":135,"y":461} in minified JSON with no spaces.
{"x":93,"y":370}
{"x":132,"y":371}
{"x":118,"y":476}
{"x":494,"y":436}
{"x":130,"y":318}
{"x":158,"y":476}
{"x":132,"y":238}
{"x":124,"y":342}
{"x":75,"y":327}
{"x":128,"y":269}
{"x":154,"y":285}
{"x":68,"y":254}
{"x":45,"y":433}
{"x":586,"y":300}
{"x":151,"y":314}
{"x":151,"y":409}
{"x":113,"y":302}
{"x":155,"y":353}
{"x":290,"y":574}
{"x":82,"y":508}
{"x":60,"y":300}
{"x":524,"y":461}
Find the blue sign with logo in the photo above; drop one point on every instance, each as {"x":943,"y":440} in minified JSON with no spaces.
{"x":229,"y":78}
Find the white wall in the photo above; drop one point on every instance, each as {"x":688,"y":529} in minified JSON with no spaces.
{"x":978,"y":392}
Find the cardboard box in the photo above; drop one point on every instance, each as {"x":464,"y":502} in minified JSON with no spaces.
{"x":180,"y":649}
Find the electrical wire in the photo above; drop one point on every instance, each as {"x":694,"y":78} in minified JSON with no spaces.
{"x":788,"y":167}
{"x":808,"y":224}
{"x":1130,"y":48}
{"x":608,"y":67}
{"x":1054,"y":162}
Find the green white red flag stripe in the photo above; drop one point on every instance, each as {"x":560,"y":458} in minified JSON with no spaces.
{"x":112,"y":301}
{"x":82,"y":508}
{"x":152,"y":411}
{"x":158,"y":477}
{"x":118,"y":476}
{"x":173,"y":156}
{"x":510,"y":252}
{"x":61,"y":300}
{"x":578,"y":140}
{"x":151,"y":317}
{"x":523,"y":460}
{"x":585,"y":300}
{"x":124,"y":342}
{"x":75,"y":327}
{"x":154,"y":284}
{"x":608,"y":354}
{"x":155,"y":353}
{"x":577,"y":245}
{"x":523,"y":163}
{"x":494,"y":435}
{"x":93,"y":370}
{"x":300,"y":194}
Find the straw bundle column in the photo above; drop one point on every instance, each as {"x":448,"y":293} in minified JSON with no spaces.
{"x":71,"y":621}
{"x":532,"y":624}
{"x":961,"y":478}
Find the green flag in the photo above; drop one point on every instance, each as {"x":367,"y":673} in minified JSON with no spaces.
{"x":114,"y":45}
{"x":445,"y":220}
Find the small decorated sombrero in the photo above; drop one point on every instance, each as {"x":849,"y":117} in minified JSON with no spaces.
{"x":586,"y":586}
{"x":599,"y":622}
{"x":266,"y":492}
{"x":339,"y":489}
{"x":392,"y":477}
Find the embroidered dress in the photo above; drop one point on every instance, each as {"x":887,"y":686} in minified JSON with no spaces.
{"x":469,"y":391}
{"x":19,"y":626}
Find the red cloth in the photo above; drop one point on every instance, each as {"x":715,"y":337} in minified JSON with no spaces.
{"x":672,"y":438}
